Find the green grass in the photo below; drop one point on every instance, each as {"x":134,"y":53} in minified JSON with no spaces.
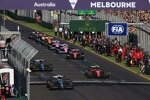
{"x":38,"y":27}
{"x":34,"y":26}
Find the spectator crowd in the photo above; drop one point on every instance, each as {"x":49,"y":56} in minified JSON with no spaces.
{"x":130,"y":16}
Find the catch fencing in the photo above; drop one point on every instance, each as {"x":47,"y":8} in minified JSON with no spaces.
{"x":19,"y":55}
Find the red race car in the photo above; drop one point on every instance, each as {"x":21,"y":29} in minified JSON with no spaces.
{"x":75,"y":54}
{"x":96,"y":72}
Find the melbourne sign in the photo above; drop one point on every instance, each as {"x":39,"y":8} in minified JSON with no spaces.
{"x":87,"y":25}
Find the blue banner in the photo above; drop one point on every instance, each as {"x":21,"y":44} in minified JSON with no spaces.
{"x":118,"y":29}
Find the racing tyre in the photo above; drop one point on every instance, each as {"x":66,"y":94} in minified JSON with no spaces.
{"x":107,"y":75}
{"x":71,"y":86}
{"x":89,"y":75}
{"x":47,"y":84}
{"x":82,"y":57}
{"x":51,"y":85}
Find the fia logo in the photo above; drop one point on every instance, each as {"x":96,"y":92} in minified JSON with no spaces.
{"x":117,"y":29}
{"x":73,"y":3}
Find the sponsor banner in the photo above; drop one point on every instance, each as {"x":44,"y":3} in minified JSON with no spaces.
{"x":76,"y":4}
{"x":87,"y":25}
{"x":120,"y":29}
{"x":5,"y":78}
{"x":86,"y":12}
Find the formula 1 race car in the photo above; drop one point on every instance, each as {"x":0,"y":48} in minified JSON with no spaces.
{"x":32,"y":35}
{"x":59,"y":82}
{"x":75,"y":54}
{"x":55,"y":44}
{"x":48,"y":40}
{"x":41,"y":65}
{"x":38,"y":37}
{"x":96,"y":72}
{"x":62,"y":49}
{"x":43,"y":39}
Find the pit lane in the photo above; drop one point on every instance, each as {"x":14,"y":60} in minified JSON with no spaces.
{"x":73,"y":69}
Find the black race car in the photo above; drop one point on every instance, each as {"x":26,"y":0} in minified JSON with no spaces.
{"x":32,"y":35}
{"x":59,"y":82}
{"x":75,"y":54}
{"x":43,"y":40}
{"x":41,"y":65}
{"x":62,"y":49}
{"x":55,"y":44}
{"x":38,"y":37}
{"x":96,"y":72}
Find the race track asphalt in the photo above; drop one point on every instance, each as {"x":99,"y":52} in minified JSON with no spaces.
{"x":74,"y":70}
